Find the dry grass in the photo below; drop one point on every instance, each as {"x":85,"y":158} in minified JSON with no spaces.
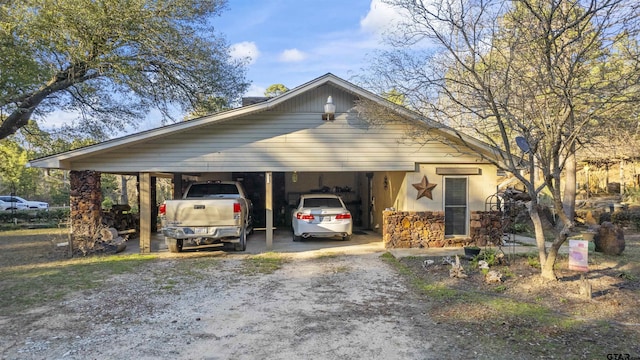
{"x":34,"y":271}
{"x":536,"y":319}
{"x":539,"y":318}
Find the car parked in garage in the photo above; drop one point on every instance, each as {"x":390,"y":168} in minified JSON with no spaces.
{"x":19,"y":203}
{"x":321,"y":215}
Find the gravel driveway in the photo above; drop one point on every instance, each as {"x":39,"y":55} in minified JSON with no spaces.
{"x":345,"y":303}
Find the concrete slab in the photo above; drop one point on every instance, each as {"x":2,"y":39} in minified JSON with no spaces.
{"x":362,"y":242}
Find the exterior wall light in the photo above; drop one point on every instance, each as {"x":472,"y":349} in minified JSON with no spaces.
{"x":329,"y":110}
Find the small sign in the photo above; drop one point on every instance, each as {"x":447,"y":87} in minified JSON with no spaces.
{"x":579,"y":255}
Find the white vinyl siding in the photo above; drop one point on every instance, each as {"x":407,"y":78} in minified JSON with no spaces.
{"x":285,"y":133}
{"x":277,"y":142}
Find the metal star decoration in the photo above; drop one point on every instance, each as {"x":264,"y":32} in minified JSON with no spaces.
{"x":424,"y":188}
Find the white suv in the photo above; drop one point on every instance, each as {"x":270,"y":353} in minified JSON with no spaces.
{"x":18,"y":203}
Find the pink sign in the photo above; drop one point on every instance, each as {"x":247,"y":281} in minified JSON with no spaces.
{"x":578,"y":255}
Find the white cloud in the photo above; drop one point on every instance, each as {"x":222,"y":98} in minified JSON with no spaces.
{"x":246,"y":50}
{"x":58,"y":119}
{"x":380,"y":18}
{"x":292,"y":55}
{"x":255,"y":90}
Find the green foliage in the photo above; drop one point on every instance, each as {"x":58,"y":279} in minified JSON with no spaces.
{"x":275,"y":90}
{"x":50,"y":218}
{"x":107,"y":204}
{"x":13,"y":173}
{"x":521,"y":228}
{"x":507,"y":272}
{"x":209,"y":105}
{"x":620,"y":217}
{"x":500,"y":288}
{"x":50,"y":185}
{"x":626,"y":218}
{"x":489,"y":255}
{"x":110,"y":186}
{"x":533,"y":261}
{"x":395,"y":96}
{"x":132,"y":55}
{"x":627,"y":276}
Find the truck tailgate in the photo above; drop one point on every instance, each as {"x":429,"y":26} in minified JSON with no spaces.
{"x":200,"y":212}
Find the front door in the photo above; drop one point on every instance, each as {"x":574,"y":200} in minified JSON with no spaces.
{"x":455,"y":206}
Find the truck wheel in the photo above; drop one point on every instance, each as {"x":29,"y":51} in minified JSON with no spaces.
{"x":242,"y":244}
{"x":174,"y":245}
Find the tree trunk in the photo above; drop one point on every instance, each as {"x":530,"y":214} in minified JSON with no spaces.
{"x":539,"y":231}
{"x":547,"y":267}
{"x":569,"y":196}
{"x":124,"y":198}
{"x":547,"y":271}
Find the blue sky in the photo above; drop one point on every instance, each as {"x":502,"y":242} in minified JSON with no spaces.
{"x":291,"y":42}
{"x":294,"y":41}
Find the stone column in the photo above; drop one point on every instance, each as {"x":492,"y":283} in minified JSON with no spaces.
{"x":85,"y":204}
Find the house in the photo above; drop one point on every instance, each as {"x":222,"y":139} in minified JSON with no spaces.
{"x":425,"y":191}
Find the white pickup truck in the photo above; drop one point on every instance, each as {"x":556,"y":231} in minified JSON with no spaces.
{"x":215,"y":212}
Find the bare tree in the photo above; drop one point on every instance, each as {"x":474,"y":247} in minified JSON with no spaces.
{"x":532,"y":70}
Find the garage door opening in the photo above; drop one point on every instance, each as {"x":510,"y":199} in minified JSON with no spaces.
{"x":288,"y":186}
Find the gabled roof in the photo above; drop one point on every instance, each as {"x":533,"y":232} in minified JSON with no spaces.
{"x":57,"y":160}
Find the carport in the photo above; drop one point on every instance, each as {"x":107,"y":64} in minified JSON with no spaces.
{"x":312,"y":138}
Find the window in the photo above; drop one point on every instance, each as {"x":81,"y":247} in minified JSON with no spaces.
{"x":322,"y":202}
{"x":205,"y":190}
{"x":455,"y":206}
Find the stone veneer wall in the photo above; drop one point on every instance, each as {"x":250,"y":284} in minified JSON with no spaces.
{"x":86,"y":208}
{"x":425,"y":229}
{"x":413,"y":229}
{"x":486,"y":228}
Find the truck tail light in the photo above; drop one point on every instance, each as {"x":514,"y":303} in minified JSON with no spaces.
{"x":163,"y":209}
{"x":237,"y":208}
{"x":300,"y":216}
{"x":343,"y":216}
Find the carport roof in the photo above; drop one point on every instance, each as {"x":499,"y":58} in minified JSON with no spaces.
{"x":61,"y":160}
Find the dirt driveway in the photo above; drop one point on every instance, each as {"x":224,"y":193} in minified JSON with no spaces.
{"x":345,"y":303}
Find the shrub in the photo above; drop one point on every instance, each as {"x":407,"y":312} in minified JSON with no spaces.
{"x":604,"y":217}
{"x":40,"y":216}
{"x":621,"y":218}
{"x":626,"y":218}
{"x":107,"y":204}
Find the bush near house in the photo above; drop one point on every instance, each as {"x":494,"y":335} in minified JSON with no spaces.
{"x":29,"y":218}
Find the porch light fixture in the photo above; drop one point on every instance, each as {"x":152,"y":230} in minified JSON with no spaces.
{"x":329,"y":110}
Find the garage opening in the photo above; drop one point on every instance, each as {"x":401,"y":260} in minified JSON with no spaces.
{"x":288,"y":186}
